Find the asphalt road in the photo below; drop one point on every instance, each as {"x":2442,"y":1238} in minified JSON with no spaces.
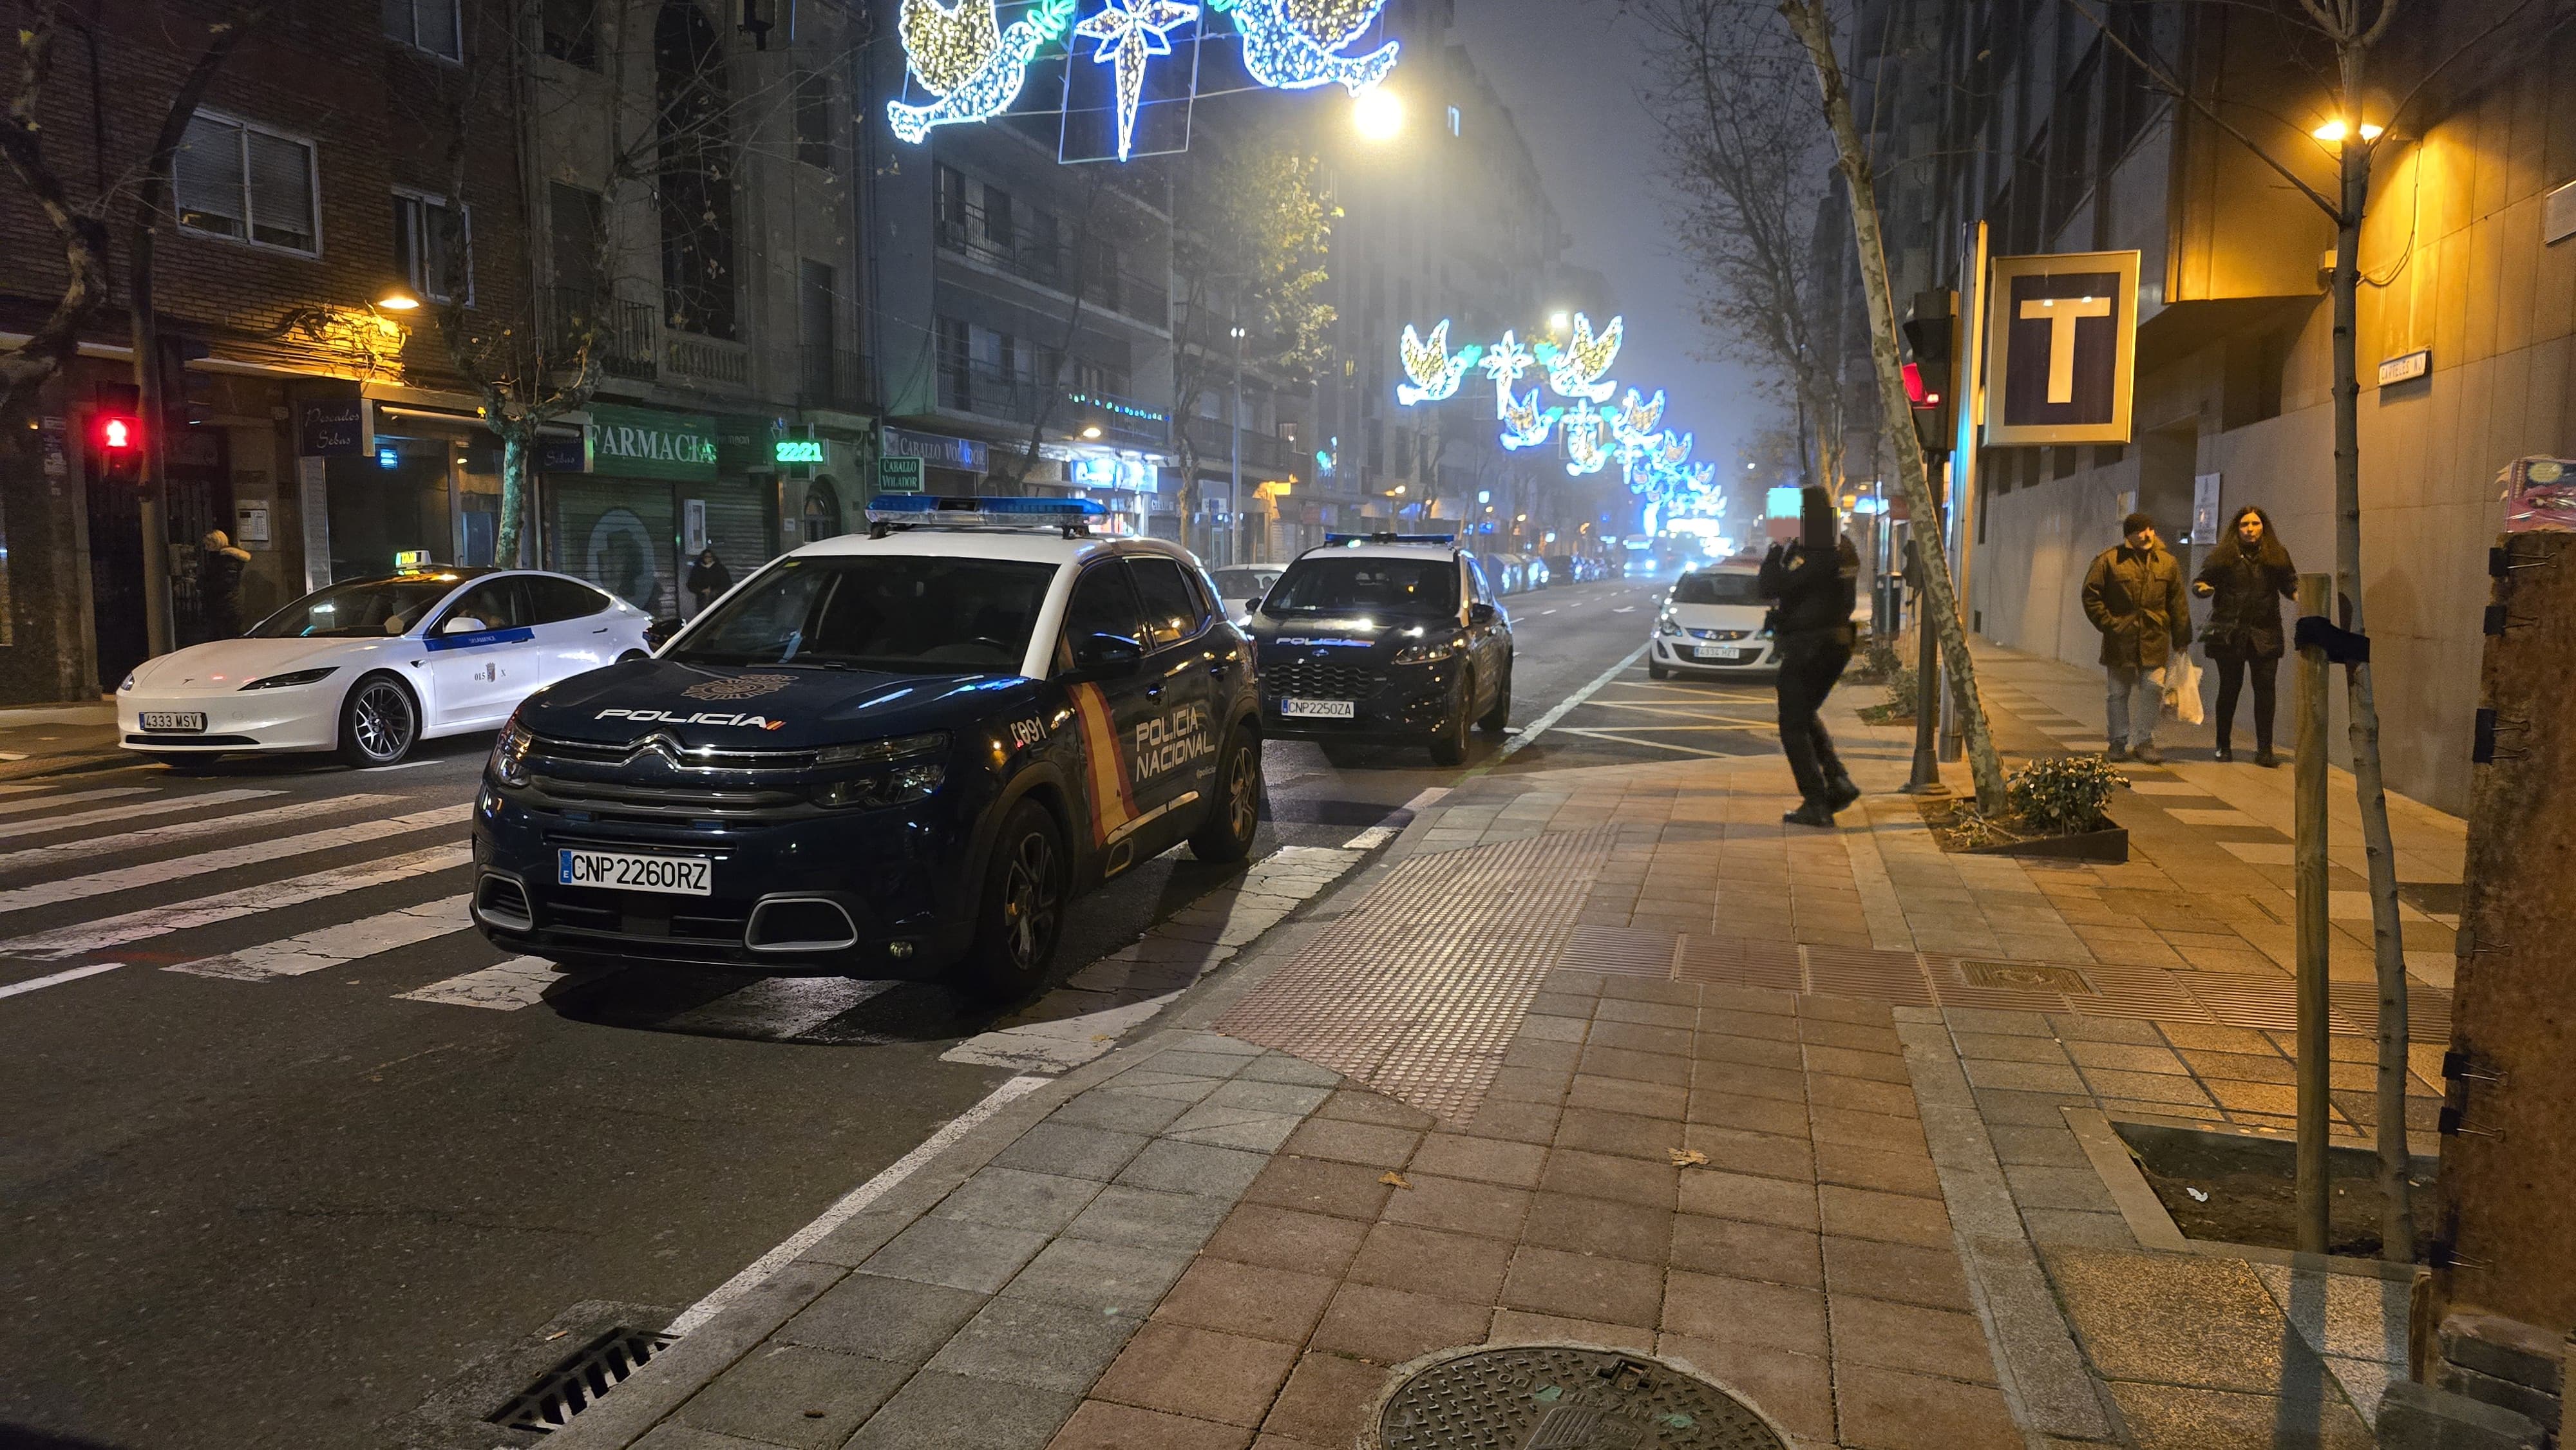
{"x":279,"y":1196}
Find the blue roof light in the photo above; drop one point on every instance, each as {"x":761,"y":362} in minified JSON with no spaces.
{"x":919,"y":510}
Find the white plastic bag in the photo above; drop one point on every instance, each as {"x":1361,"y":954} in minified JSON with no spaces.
{"x":2182,"y":688}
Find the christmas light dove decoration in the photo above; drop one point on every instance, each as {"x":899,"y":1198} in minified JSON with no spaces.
{"x":1581,"y":368}
{"x":1525,"y":424}
{"x":962,"y":55}
{"x":1638,"y":419}
{"x":1434,"y":370}
{"x":1295,"y":45}
{"x":1507,"y":362}
{"x":1675,"y":450}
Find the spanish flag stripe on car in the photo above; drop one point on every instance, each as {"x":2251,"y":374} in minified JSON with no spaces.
{"x":1113,"y":800}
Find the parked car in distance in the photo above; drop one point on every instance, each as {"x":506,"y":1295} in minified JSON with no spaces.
{"x":1712,"y":622}
{"x":1240,"y":588}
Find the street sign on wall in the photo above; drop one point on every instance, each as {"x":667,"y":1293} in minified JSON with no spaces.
{"x":2062,"y":349}
{"x":898,"y":473}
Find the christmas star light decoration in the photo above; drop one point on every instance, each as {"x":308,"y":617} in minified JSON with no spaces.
{"x":962,"y":55}
{"x":1295,"y":45}
{"x":1507,"y":362}
{"x":1130,"y":34}
{"x":1583,"y":430}
{"x":1525,"y":423}
{"x":1434,"y":370}
{"x":1581,"y":368}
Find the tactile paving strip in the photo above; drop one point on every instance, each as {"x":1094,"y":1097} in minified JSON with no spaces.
{"x":1418,"y":992}
{"x":1912,"y":979}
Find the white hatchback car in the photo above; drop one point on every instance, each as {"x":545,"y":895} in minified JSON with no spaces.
{"x":372,"y":667}
{"x":1712,"y":622}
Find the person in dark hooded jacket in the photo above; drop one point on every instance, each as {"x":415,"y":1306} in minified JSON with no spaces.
{"x":1812,"y":578}
{"x":2245,"y":578}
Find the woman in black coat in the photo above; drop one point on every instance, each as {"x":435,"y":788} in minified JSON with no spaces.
{"x":2246,"y":577}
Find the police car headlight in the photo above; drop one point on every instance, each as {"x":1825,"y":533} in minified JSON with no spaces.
{"x":292,"y":679}
{"x":876,"y":750}
{"x":1428,"y":652}
{"x":896,"y":787}
{"x":510,"y":753}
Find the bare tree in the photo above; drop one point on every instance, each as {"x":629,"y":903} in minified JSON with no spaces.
{"x":79,"y":227}
{"x":2351,"y":31}
{"x":1812,"y":22}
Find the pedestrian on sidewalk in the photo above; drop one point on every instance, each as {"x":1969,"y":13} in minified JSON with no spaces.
{"x":219,"y":585}
{"x":2246,"y":577}
{"x":708,"y":578}
{"x":1812,"y":578}
{"x":2133,"y":594}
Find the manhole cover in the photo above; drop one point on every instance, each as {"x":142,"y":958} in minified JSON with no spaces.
{"x":1558,"y":1397}
{"x":2026,"y":975}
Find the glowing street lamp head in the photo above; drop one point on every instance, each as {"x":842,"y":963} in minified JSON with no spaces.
{"x":398,"y":301}
{"x":2334,"y":131}
{"x":1378,"y":114}
{"x":1558,"y":322}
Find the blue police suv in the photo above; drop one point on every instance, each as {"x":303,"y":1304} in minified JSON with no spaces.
{"x":886,"y":755}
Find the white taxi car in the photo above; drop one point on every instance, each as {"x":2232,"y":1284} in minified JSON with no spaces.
{"x":372,"y":667}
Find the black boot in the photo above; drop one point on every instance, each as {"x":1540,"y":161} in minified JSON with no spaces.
{"x":1840,"y":791}
{"x":1811,"y":813}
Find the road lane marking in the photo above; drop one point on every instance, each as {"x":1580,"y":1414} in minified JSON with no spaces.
{"x":1540,"y":726}
{"x":1650,"y":744}
{"x":105,"y":814}
{"x":501,"y":987}
{"x":113,"y":931}
{"x":775,"y":1007}
{"x":850,"y":1205}
{"x":76,"y":888}
{"x":38,"y":984}
{"x":334,"y":946}
{"x":176,"y":831}
{"x":46,"y":803}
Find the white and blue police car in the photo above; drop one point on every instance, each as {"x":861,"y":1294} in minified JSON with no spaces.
{"x":895,"y":754}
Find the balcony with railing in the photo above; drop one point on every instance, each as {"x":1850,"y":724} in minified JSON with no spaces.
{"x":832,"y":377}
{"x":620,"y":334}
{"x":708,"y":361}
{"x":1047,"y":257}
{"x":986,"y":391}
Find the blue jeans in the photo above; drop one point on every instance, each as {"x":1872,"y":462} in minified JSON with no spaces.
{"x":2134,"y":728}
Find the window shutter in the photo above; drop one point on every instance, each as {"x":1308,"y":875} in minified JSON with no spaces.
{"x":207,"y":177}
{"x":281,"y":192}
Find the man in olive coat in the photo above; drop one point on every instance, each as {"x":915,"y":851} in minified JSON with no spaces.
{"x":2134,"y":595}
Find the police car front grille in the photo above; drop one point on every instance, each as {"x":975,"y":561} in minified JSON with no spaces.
{"x":1319,"y":680}
{"x":668,"y":803}
{"x":587,"y":752}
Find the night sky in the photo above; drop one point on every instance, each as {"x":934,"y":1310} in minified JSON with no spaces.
{"x":1569,"y":69}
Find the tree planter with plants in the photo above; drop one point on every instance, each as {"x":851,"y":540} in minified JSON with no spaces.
{"x":2055,"y":810}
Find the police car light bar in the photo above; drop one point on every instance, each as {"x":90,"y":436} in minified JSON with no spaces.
{"x":920,"y":510}
{"x":1358,"y":539}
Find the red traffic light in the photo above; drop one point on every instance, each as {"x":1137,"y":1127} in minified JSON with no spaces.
{"x":1914,"y":389}
{"x":118,"y":433}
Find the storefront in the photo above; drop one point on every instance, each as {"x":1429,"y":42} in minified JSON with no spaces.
{"x":659,"y":489}
{"x":950,"y":467}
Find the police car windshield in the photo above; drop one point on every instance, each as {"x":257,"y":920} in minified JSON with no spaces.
{"x":1716,"y":587}
{"x":362,"y":609}
{"x":905,"y":613}
{"x":1366,"y":585}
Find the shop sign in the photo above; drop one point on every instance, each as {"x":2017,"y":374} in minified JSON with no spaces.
{"x":958,"y":453}
{"x":648,"y":443}
{"x":742,"y":442}
{"x":561,"y":453}
{"x":2062,"y":349}
{"x":899,"y":473}
{"x":333,"y":428}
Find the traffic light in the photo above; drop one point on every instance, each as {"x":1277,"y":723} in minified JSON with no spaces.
{"x":1933,"y":336}
{"x":116,"y":436}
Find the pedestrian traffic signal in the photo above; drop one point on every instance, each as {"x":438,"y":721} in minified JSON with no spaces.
{"x":118,"y":438}
{"x":1932,"y":335}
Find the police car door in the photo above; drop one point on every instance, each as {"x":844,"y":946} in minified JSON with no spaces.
{"x":1112,"y":710}
{"x":479,"y":650}
{"x":1175,"y":750}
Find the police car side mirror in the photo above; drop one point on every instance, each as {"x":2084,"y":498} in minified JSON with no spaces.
{"x":1106,"y":656}
{"x":1480,"y":613}
{"x":461,"y":624}
{"x":659,"y":632}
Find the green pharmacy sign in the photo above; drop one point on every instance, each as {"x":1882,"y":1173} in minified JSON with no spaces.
{"x":800,"y":450}
{"x":649,"y":443}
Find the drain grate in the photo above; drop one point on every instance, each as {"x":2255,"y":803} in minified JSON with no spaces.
{"x":1560,"y":1397}
{"x":577,"y":1383}
{"x":2026,"y":975}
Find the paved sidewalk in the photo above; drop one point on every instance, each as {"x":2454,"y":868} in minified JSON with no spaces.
{"x":1613,"y":1057}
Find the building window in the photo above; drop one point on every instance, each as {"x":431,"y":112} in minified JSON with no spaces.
{"x":237,"y":180}
{"x":572,"y":31}
{"x":696,"y":173}
{"x":423,"y":229}
{"x":1456,"y":122}
{"x":814,"y":119}
{"x":430,"y":25}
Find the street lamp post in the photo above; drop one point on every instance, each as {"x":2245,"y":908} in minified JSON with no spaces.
{"x":1234,"y":488}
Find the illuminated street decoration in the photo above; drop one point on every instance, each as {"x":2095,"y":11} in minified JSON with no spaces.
{"x":1295,"y":45}
{"x":1638,"y":419}
{"x":1675,"y":451}
{"x":1583,"y":431}
{"x":1525,"y":423}
{"x":1435,"y":371}
{"x":962,"y":55}
{"x":1130,"y":34}
{"x":1581,"y":368}
{"x":1507,"y":362}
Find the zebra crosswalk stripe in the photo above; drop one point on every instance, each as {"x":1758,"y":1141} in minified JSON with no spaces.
{"x":176,"y":831}
{"x":333,"y":946}
{"x":503,"y":987}
{"x":50,"y":802}
{"x":76,"y":888}
{"x":105,"y":814}
{"x":110,"y":931}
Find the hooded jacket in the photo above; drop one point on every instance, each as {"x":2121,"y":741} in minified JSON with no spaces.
{"x":2246,"y":591}
{"x":2135,"y":597}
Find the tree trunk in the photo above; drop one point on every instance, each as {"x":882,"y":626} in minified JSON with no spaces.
{"x":1896,"y":418}
{"x":518,"y":440}
{"x":2388,"y":952}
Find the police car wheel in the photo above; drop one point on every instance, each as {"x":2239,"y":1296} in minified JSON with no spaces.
{"x":379,"y":722}
{"x":1022,"y":911}
{"x":1449,"y":747}
{"x":1235,"y":815}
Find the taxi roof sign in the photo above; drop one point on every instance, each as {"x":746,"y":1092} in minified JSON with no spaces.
{"x":890,"y":511}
